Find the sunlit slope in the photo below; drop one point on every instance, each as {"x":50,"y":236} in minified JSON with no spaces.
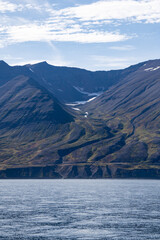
{"x":132,"y":107}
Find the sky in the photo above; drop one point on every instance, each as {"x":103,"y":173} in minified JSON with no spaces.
{"x":90,"y":34}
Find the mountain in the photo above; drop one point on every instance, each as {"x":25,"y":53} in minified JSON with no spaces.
{"x":24,"y":103}
{"x":132,"y":108}
{"x":116,"y":135}
{"x":7,"y":72}
{"x":74,"y":84}
{"x":67,"y":84}
{"x":29,"y":113}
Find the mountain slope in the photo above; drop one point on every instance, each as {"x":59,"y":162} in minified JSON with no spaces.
{"x":133,"y":107}
{"x":67,"y":84}
{"x":26,"y":106}
{"x":136,"y":96}
{"x":115,"y":135}
{"x":74,"y":84}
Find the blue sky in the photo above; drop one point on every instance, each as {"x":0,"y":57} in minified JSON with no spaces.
{"x":96,"y":35}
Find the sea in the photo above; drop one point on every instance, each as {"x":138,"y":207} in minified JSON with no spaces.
{"x":79,"y":209}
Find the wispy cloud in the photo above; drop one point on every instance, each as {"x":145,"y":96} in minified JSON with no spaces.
{"x":129,"y":10}
{"x":122,"y":48}
{"x":6,"y":6}
{"x":87,"y":23}
{"x":12,"y":6}
{"x":104,"y":62}
{"x":47,"y":32}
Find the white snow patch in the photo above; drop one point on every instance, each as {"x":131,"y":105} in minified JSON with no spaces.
{"x":80,"y":102}
{"x":148,"y":69}
{"x":71,"y":104}
{"x":152,"y":69}
{"x":81,"y":90}
{"x":77,"y":109}
{"x":76,"y":103}
{"x":31,"y":69}
{"x":91,"y":99}
{"x":86,"y":114}
{"x":95,"y":94}
{"x":83,"y":102}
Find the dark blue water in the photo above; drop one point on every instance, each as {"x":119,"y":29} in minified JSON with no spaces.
{"x":79,"y":209}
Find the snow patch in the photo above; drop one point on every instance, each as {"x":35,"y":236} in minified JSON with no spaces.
{"x":81,"y":90}
{"x":148,"y":69}
{"x":156,"y":68}
{"x":86,"y":114}
{"x":152,"y":69}
{"x":31,"y":69}
{"x":80,"y":102}
{"x":77,"y":109}
{"x":91,"y":99}
{"x":71,"y":104}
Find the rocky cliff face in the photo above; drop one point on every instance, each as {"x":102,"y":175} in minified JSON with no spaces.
{"x":74,"y":171}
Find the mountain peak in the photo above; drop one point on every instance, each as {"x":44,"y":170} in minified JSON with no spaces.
{"x":3,"y":63}
{"x":42,"y":63}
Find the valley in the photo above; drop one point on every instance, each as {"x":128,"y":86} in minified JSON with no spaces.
{"x":46,"y":133}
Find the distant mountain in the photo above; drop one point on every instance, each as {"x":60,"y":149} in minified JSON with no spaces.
{"x":65,"y":83}
{"x":117,"y":135}
{"x":74,"y":84}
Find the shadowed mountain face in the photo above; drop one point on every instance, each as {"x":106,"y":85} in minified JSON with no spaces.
{"x":115,"y":135}
{"x":28,"y":110}
{"x":73,"y":84}
{"x":67,"y":84}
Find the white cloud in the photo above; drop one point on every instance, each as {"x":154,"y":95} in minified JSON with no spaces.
{"x":122,"y":48}
{"x":8,"y":7}
{"x":107,"y":63}
{"x":47,"y":32}
{"x":10,"y":57}
{"x":11,"y":6}
{"x":86,"y":23}
{"x":130,"y":10}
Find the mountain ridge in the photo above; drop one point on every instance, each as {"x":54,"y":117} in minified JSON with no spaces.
{"x":69,"y":84}
{"x":116,"y":135}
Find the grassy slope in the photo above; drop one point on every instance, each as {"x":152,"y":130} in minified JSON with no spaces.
{"x":120,"y":137}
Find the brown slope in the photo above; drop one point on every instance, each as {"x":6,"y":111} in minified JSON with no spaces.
{"x":137,"y":96}
{"x":133,"y":107}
